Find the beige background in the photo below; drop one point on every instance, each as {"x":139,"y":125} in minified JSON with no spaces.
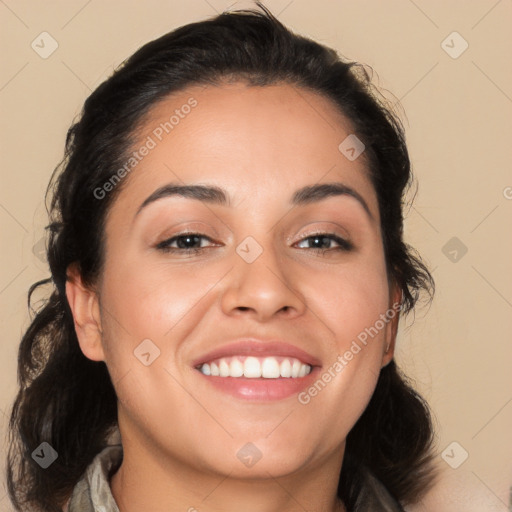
{"x":459,"y":131}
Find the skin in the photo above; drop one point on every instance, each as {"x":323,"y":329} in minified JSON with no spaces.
{"x":181,"y":435}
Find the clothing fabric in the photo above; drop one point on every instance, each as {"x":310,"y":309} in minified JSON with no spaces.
{"x":92,"y":493}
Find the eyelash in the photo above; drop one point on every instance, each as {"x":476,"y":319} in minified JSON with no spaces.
{"x":164,"y":246}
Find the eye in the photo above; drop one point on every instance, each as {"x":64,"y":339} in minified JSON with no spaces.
{"x":322,"y":242}
{"x":192,"y":243}
{"x":185,"y":242}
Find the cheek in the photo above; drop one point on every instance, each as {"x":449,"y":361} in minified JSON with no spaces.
{"x":349,"y":299}
{"x":350,"y":303}
{"x":144,"y":310}
{"x":149,"y":300}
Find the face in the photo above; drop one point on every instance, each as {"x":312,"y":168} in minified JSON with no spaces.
{"x":251,"y":277}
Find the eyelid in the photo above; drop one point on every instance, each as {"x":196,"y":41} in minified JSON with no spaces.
{"x":338,"y":231}
{"x":321,"y":231}
{"x":185,"y":227}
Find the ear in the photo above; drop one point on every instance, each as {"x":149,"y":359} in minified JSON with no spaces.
{"x":395,"y":301}
{"x":84,"y":304}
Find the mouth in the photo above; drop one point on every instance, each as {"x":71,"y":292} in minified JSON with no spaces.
{"x":250,"y":367}
{"x":258,"y":371}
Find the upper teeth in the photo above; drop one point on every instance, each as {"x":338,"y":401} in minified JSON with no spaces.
{"x":255,"y":367}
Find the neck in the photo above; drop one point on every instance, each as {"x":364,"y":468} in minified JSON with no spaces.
{"x":148,"y":481}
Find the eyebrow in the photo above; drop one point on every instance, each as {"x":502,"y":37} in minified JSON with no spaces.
{"x":215,"y":195}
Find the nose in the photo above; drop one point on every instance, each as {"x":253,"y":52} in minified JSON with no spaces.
{"x":264,"y":288}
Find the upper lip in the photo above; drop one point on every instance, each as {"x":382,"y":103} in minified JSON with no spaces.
{"x":258,"y":348}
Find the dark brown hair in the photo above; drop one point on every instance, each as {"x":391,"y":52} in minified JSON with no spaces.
{"x":68,"y":400}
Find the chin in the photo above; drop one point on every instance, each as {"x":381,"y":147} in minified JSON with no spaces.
{"x":269,"y":457}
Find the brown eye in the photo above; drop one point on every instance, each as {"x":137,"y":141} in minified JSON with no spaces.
{"x":185,"y":242}
{"x":322,"y":242}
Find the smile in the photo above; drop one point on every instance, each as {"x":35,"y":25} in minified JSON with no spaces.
{"x":249,"y":367}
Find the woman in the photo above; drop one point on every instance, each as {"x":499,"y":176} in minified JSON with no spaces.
{"x":229,"y":270}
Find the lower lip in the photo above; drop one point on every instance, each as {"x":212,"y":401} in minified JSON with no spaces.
{"x":262,"y":389}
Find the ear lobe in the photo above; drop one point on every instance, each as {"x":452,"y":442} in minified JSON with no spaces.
{"x":84,"y":304}
{"x":392,"y":326}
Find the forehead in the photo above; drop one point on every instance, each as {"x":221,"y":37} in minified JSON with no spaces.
{"x":255,"y":142}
